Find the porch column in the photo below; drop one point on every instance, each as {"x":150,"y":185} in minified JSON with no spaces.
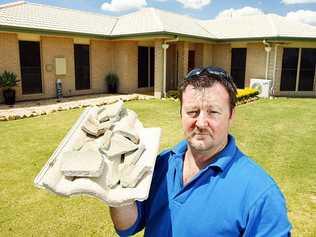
{"x":183,"y":56}
{"x":158,"y":69}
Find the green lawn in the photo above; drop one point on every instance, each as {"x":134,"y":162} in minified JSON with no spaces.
{"x":279,"y":134}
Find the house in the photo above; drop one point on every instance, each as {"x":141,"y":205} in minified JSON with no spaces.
{"x":150,"y":50}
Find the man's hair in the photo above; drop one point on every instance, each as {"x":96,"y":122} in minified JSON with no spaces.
{"x":206,"y":81}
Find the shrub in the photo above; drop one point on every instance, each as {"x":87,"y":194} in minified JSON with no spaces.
{"x":8,"y":79}
{"x":112,"y":82}
{"x":243,"y":95}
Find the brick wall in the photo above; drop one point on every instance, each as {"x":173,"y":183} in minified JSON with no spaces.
{"x":222,"y":56}
{"x":125,"y":58}
{"x":52,"y":47}
{"x":9,"y":59}
{"x":255,"y":62}
{"x":101,"y":62}
{"x":207,"y":55}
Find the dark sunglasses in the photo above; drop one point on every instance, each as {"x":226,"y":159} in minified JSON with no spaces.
{"x":210,"y":71}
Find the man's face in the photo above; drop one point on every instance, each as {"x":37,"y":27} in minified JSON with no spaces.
{"x":206,"y":117}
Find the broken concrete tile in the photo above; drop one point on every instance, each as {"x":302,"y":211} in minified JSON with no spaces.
{"x":82,"y":163}
{"x":119,"y":145}
{"x":112,"y":176}
{"x":92,"y":129}
{"x":131,"y":158}
{"x":131,"y":175}
{"x":126,"y":126}
{"x":129,"y":133}
{"x":110,"y":111}
{"x":133,"y":168}
{"x":106,"y":125}
{"x":105,"y":140}
{"x":81,"y":140}
{"x":90,"y":146}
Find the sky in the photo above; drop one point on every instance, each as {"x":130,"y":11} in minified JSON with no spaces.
{"x":300,"y":10}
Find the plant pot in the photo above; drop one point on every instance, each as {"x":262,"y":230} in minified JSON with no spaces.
{"x":112,"y":88}
{"x":9,"y":96}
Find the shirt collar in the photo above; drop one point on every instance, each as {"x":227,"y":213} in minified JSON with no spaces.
{"x":221,"y":160}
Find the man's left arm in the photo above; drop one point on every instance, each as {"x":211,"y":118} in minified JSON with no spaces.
{"x":268,"y":215}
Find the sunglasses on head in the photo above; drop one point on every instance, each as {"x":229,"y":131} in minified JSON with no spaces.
{"x":209,"y":71}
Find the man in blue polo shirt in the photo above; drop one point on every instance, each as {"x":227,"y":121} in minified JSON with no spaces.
{"x":205,"y":186}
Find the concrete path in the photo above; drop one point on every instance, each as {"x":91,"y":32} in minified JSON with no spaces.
{"x":41,"y":107}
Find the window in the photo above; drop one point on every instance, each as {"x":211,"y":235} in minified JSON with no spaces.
{"x":82,"y":66}
{"x":298,"y":69}
{"x":289,"y":69}
{"x":146,"y":66}
{"x":30,"y":62}
{"x":307,"y":70}
{"x":238,"y":66}
{"x":191,"y":60}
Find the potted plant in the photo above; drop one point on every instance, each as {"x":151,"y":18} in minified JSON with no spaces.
{"x":8,"y":80}
{"x":112,"y":82}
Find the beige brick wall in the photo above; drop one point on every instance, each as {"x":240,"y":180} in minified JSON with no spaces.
{"x":52,"y":47}
{"x":125,"y":58}
{"x":255,"y":62}
{"x":9,"y":59}
{"x":222,"y":56}
{"x":198,"y":54}
{"x":207,"y":55}
{"x":101,"y":63}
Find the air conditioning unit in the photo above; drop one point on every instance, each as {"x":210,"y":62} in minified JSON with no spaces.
{"x":262,"y":85}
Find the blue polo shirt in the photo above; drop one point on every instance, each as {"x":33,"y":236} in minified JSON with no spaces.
{"x":232,"y":196}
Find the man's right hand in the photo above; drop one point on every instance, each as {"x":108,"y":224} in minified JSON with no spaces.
{"x":124,"y":217}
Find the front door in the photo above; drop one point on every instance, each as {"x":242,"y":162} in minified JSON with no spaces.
{"x":238,"y":66}
{"x":30,"y":62}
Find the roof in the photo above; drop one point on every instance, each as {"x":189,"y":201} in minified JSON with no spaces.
{"x":159,"y":21}
{"x":258,"y":26}
{"x":37,"y":17}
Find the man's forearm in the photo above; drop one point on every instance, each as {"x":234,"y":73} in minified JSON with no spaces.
{"x":124,"y":217}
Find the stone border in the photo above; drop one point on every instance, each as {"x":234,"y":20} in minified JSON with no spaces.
{"x":38,"y":110}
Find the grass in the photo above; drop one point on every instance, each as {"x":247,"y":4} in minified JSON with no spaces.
{"x":279,"y":134}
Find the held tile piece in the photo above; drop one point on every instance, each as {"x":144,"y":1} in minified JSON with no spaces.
{"x":131,"y":158}
{"x":82,"y":164}
{"x":81,"y":140}
{"x":126,"y":126}
{"x":112,"y":176}
{"x":92,"y":129}
{"x":105,"y":140}
{"x":110,"y":112}
{"x":127,"y":131}
{"x":119,"y":145}
{"x":90,"y":146}
{"x":133,"y":168}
